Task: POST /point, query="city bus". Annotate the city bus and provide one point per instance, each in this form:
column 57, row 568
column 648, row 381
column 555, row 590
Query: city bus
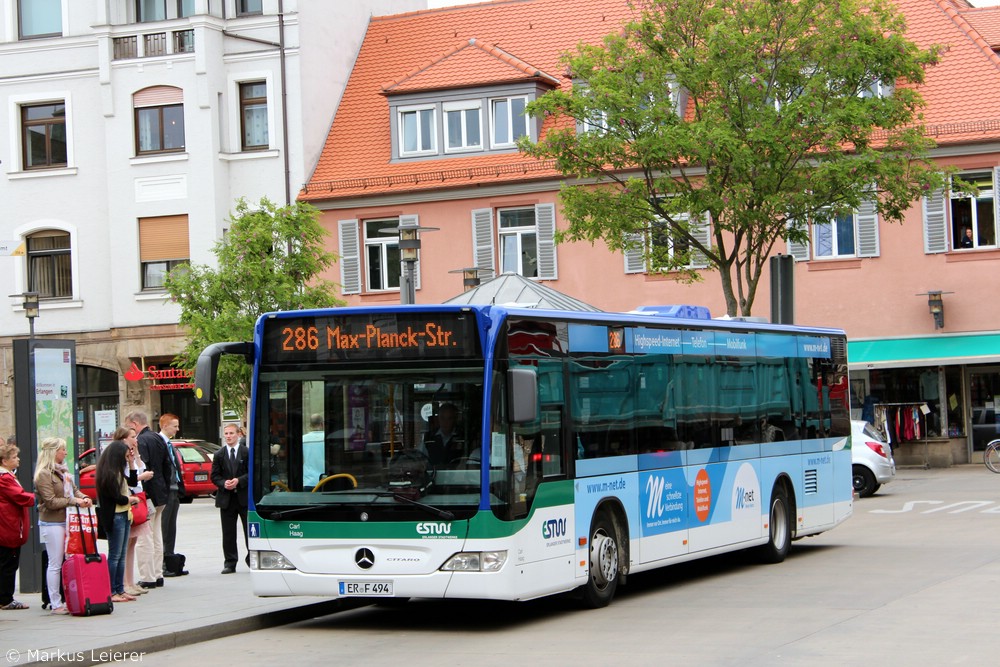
column 508, row 453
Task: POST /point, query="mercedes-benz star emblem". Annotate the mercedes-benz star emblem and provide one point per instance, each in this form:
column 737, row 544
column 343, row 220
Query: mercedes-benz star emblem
column 364, row 558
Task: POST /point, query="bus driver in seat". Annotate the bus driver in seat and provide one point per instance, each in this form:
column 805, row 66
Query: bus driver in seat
column 444, row 444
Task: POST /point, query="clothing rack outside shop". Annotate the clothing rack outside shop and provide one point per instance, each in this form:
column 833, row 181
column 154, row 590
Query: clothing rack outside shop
column 901, row 423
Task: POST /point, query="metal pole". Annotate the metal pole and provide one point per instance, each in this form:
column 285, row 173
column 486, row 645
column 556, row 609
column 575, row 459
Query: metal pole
column 411, row 288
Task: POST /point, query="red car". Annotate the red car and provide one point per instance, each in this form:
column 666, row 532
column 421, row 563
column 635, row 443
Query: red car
column 196, row 465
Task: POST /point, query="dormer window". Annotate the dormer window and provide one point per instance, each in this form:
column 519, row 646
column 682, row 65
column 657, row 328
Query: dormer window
column 417, row 130
column 507, row 120
column 463, row 125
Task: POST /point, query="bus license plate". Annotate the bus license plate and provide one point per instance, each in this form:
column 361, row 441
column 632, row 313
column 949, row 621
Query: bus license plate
column 201, row 477
column 366, row 588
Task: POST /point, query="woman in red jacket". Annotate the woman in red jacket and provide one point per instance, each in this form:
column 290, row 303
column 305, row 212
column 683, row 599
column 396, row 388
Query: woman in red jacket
column 14, row 524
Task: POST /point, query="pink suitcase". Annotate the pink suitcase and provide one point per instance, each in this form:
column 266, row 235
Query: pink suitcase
column 87, row 583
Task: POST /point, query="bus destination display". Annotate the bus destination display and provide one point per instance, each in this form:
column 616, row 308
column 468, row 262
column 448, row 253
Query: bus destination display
column 370, row 336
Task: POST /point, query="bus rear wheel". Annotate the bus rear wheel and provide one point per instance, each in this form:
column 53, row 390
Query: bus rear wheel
column 602, row 581
column 779, row 527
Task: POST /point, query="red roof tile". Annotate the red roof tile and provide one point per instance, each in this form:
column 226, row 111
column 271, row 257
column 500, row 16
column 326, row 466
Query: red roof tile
column 514, row 39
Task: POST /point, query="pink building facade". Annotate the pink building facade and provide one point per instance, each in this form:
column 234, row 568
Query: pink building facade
column 423, row 136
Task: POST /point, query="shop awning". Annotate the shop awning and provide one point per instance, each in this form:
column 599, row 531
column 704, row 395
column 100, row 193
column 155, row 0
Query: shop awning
column 926, row 351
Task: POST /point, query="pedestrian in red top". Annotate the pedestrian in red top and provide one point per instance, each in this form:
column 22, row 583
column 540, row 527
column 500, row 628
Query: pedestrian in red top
column 15, row 524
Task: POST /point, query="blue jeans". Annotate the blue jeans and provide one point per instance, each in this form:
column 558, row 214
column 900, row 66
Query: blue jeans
column 117, row 548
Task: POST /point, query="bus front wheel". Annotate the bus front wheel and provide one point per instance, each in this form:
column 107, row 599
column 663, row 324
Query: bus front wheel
column 604, row 562
column 779, row 528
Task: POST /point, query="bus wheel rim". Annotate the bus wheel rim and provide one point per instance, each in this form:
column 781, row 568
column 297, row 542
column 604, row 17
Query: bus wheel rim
column 603, row 560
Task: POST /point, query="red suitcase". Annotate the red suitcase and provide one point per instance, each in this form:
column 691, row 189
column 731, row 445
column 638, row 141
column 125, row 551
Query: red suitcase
column 87, row 583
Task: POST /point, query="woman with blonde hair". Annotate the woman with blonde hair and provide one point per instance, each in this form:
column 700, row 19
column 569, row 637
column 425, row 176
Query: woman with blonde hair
column 55, row 490
column 127, row 435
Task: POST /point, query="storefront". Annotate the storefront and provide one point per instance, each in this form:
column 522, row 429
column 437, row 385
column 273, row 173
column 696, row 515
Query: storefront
column 934, row 398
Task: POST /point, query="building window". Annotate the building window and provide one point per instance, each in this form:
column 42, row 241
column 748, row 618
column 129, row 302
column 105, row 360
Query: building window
column 463, row 126
column 974, row 214
column 253, row 115
column 382, row 254
column 50, row 265
column 39, row 18
column 185, row 8
column 508, row 120
column 163, row 246
column 835, row 238
column 249, row 7
column 417, row 130
column 43, row 128
column 518, row 241
column 147, row 11
column 159, row 120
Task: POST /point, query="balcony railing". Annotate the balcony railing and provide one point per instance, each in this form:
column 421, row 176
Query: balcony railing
column 153, row 44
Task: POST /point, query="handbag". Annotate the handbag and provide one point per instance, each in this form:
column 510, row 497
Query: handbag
column 140, row 512
column 81, row 531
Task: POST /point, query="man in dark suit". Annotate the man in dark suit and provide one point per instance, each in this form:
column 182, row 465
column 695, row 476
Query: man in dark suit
column 149, row 547
column 229, row 474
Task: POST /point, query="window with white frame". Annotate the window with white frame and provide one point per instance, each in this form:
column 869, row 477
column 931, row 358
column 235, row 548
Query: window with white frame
column 253, row 116
column 50, row 269
column 163, row 246
column 658, row 247
column 463, row 125
column 249, row 7
column 848, row 234
column 508, row 121
column 43, row 135
column 147, row 11
column 159, row 120
column 518, row 241
column 39, row 18
column 382, row 259
column 973, row 217
column 417, row 130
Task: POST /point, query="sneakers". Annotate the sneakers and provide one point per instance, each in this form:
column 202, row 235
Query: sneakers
column 135, row 590
column 60, row 611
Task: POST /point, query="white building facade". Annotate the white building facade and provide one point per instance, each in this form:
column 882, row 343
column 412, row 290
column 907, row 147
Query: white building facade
column 128, row 129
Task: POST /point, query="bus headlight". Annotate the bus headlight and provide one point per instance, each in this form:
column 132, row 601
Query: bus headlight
column 476, row 561
column 269, row 560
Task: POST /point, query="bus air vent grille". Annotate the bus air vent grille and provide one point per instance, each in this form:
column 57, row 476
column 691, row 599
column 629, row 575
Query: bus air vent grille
column 811, row 481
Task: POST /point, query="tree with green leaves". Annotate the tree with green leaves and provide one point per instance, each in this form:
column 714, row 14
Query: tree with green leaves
column 712, row 130
column 269, row 260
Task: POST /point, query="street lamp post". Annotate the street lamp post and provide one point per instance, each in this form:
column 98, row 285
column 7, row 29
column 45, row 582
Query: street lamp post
column 470, row 277
column 409, row 249
column 30, row 306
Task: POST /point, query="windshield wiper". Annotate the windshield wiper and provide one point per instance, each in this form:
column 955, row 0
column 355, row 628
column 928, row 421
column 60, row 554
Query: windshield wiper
column 436, row 511
column 296, row 510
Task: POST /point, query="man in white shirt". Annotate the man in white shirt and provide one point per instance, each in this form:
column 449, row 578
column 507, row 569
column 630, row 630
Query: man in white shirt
column 313, row 453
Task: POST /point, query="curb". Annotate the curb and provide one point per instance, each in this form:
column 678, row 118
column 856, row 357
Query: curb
column 188, row 636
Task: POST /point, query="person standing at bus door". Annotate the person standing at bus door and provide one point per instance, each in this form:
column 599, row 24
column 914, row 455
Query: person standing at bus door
column 443, row 444
column 149, row 547
column 967, row 241
column 229, row 474
column 169, row 426
column 313, row 453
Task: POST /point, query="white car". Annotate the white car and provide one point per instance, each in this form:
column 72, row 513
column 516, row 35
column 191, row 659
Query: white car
column 871, row 457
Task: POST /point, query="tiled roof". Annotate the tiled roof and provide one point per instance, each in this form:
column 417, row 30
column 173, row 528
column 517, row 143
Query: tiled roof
column 473, row 64
column 517, row 40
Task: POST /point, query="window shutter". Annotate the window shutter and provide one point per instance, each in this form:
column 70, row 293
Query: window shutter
column 163, row 238
column 800, row 251
column 350, row 257
column 482, row 242
column 411, row 221
column 545, row 230
column 935, row 222
column 700, row 231
column 157, row 96
column 634, row 261
column 866, row 227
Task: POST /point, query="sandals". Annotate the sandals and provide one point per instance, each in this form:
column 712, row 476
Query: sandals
column 14, row 604
column 122, row 597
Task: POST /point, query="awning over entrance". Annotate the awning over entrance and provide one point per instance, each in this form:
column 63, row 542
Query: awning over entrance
column 928, row 351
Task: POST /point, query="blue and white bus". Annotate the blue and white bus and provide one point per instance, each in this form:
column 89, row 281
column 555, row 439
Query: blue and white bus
column 510, row 453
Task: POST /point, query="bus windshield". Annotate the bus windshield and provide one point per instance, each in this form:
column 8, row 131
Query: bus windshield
column 391, row 444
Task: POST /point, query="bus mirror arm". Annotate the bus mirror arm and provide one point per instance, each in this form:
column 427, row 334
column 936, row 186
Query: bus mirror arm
column 522, row 383
column 208, row 365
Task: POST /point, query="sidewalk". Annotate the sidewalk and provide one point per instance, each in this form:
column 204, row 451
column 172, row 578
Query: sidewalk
column 201, row 606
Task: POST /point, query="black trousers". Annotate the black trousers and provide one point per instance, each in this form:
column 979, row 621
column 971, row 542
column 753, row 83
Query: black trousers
column 10, row 557
column 230, row 550
column 168, row 522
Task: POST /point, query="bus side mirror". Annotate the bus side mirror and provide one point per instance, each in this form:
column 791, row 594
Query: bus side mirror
column 522, row 388
column 208, row 366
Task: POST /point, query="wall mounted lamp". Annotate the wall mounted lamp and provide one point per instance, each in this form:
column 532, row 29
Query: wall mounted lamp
column 935, row 303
